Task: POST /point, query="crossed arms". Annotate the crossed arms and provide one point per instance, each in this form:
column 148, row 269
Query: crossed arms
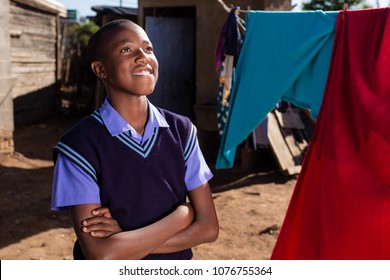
column 188, row 225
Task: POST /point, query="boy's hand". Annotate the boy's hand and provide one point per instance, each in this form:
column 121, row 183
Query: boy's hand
column 101, row 224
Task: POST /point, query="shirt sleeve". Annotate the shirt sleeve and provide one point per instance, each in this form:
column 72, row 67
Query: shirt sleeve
column 72, row 185
column 197, row 170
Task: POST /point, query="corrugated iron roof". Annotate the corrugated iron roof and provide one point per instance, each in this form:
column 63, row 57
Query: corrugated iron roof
column 123, row 11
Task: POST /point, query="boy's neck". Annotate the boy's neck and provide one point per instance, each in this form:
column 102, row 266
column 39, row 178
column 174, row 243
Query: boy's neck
column 134, row 109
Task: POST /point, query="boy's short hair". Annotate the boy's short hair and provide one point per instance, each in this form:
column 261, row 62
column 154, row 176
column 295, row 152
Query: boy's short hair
column 96, row 42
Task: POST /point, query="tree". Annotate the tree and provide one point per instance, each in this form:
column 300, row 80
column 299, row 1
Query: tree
column 330, row 5
column 78, row 74
column 82, row 32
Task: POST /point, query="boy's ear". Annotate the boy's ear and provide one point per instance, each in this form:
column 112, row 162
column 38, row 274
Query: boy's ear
column 98, row 69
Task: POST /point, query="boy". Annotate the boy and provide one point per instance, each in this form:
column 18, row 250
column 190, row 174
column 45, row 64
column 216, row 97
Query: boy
column 133, row 161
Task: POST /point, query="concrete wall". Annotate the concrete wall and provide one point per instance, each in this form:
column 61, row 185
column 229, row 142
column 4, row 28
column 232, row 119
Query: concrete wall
column 6, row 82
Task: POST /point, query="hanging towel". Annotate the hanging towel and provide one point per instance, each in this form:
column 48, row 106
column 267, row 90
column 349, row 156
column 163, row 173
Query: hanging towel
column 340, row 208
column 285, row 55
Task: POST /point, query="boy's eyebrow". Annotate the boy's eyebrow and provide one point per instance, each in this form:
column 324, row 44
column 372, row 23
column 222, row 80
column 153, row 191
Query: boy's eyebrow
column 124, row 42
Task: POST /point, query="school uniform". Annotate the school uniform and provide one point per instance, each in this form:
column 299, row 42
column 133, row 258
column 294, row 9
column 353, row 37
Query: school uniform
column 141, row 178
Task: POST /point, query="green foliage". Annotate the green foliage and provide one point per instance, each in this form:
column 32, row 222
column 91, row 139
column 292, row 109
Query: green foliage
column 82, row 32
column 330, row 5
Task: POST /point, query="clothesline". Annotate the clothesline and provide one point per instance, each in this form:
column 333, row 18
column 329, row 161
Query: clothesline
column 240, row 21
column 227, row 9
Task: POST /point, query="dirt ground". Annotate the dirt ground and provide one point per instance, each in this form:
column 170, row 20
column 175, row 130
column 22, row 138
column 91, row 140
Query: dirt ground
column 250, row 204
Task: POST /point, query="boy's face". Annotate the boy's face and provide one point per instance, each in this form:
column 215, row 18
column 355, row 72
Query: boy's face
column 129, row 63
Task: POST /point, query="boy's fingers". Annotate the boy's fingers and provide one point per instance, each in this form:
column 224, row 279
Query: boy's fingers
column 101, row 224
column 97, row 232
column 101, row 233
column 101, row 227
column 94, row 221
column 101, row 211
column 101, row 230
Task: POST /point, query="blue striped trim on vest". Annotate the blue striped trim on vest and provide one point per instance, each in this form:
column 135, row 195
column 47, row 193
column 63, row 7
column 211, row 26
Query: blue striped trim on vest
column 190, row 143
column 97, row 116
column 144, row 149
column 80, row 160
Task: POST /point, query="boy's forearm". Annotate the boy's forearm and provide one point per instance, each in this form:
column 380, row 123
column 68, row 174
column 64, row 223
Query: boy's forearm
column 204, row 229
column 138, row 243
column 197, row 233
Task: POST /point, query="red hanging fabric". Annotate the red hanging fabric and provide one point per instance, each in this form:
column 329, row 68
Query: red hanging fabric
column 340, row 208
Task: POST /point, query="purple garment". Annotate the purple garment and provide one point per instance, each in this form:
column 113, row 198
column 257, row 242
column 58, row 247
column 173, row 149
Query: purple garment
column 68, row 176
column 229, row 40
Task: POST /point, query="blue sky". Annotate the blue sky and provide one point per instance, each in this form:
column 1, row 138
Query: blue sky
column 84, row 6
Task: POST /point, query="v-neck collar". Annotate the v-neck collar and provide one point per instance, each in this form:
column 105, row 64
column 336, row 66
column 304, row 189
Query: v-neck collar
column 120, row 129
column 116, row 124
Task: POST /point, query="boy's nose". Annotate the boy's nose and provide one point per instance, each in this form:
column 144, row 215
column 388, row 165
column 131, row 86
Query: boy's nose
column 142, row 57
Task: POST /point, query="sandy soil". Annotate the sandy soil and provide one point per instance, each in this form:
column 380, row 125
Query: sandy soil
column 250, row 204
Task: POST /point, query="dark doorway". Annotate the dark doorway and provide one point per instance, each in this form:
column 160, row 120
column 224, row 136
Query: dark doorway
column 172, row 32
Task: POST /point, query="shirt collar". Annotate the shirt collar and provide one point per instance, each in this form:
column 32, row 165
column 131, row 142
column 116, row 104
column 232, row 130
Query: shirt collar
column 116, row 124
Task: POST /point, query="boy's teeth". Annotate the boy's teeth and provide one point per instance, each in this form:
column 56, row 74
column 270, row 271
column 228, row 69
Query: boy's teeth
column 143, row 73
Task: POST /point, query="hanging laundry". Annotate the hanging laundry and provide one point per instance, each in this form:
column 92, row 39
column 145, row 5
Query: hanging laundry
column 285, row 56
column 340, row 208
column 224, row 88
column 227, row 50
column 229, row 41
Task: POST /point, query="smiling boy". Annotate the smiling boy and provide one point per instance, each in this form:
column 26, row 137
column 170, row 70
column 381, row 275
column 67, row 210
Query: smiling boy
column 139, row 162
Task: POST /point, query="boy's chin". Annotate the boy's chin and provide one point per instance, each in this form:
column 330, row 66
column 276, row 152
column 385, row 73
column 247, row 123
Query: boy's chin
column 148, row 92
column 142, row 91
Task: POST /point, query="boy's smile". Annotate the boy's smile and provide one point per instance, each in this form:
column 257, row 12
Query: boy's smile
column 143, row 72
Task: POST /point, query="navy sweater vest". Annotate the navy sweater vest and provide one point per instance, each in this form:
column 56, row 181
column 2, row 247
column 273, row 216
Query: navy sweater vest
column 139, row 184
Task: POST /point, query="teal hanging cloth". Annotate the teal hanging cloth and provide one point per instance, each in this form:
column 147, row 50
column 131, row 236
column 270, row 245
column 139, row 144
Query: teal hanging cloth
column 285, row 56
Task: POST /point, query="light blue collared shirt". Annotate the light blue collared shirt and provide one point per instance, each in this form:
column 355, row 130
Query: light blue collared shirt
column 73, row 186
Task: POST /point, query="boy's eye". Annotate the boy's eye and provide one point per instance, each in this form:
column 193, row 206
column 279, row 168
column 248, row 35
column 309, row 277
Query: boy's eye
column 125, row 50
column 149, row 49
